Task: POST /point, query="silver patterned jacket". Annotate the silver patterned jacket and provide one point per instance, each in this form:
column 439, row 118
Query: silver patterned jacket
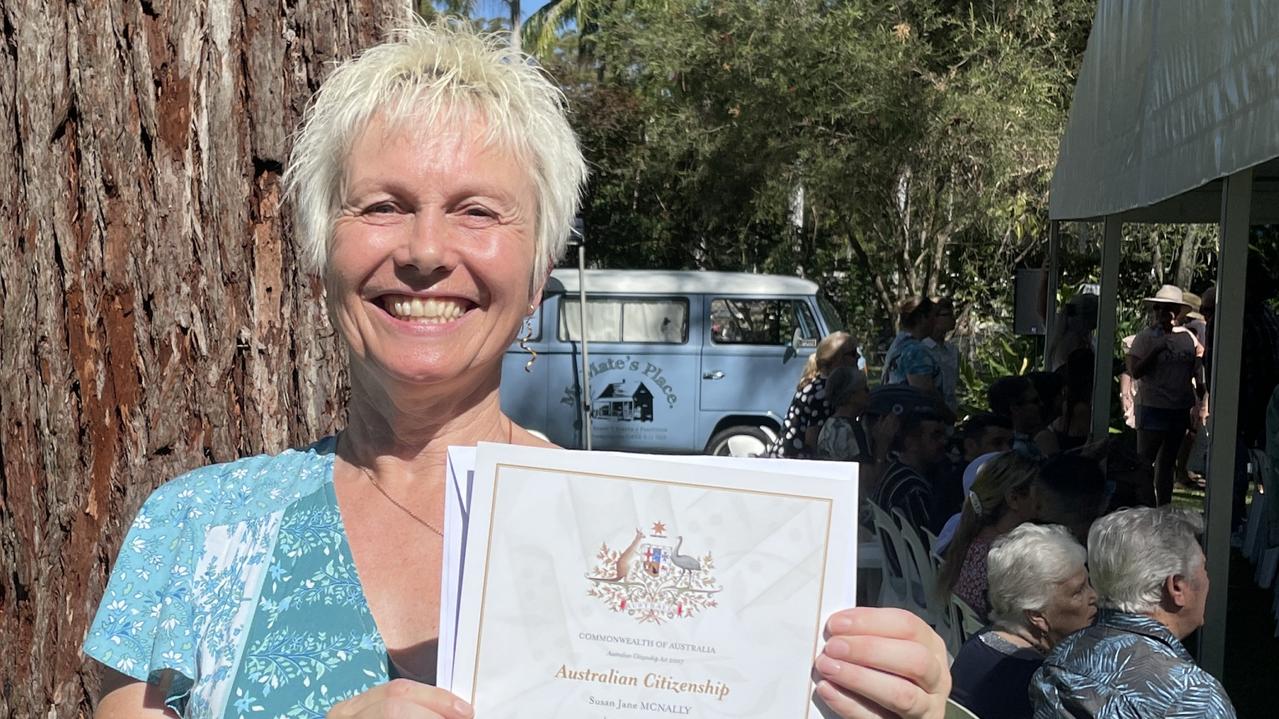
column 1125, row 666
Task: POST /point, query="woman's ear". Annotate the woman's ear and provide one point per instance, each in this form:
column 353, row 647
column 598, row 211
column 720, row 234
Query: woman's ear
column 539, row 284
column 1020, row 501
column 1037, row 621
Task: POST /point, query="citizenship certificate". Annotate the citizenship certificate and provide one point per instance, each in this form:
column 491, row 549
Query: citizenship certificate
column 610, row 585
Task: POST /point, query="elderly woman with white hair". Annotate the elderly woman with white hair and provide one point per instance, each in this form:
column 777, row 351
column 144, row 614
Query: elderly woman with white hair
column 1039, row 594
column 434, row 181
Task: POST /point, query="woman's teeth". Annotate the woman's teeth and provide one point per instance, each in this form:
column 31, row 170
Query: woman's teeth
column 417, row 309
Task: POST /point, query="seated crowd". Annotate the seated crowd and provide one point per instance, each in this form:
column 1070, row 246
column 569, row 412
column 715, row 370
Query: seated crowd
column 1085, row 603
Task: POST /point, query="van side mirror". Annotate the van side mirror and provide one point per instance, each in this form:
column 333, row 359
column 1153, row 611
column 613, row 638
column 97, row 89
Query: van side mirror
column 799, row 342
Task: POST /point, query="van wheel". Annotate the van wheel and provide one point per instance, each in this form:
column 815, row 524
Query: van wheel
column 740, row 441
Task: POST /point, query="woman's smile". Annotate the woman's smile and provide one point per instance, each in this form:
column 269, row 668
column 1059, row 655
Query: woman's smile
column 423, row 310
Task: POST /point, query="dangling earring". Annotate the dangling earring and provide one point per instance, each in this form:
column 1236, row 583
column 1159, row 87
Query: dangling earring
column 524, row 338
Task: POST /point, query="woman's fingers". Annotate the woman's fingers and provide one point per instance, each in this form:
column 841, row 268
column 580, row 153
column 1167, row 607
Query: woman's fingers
column 883, row 660
column 909, row 660
column 404, row 699
column 876, row 687
column 850, row 706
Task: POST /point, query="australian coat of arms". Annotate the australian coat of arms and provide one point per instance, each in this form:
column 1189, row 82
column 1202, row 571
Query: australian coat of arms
column 651, row 580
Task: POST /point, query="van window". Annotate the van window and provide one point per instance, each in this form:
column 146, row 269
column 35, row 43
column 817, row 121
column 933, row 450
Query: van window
column 763, row 322
column 834, row 322
column 615, row 319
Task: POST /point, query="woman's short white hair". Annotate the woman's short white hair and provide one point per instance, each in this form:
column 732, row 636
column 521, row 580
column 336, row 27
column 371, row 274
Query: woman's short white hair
column 433, row 75
column 1025, row 567
column 1131, row 552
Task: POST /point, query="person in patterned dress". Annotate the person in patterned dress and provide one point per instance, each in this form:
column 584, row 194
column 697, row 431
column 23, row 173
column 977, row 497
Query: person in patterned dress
column 435, row 179
column 999, row 501
column 810, row 408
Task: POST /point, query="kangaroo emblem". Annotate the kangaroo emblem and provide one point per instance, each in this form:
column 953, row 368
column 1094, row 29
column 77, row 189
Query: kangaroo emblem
column 624, row 559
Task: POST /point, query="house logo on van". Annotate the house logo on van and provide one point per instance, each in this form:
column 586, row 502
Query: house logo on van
column 619, row 400
column 620, row 403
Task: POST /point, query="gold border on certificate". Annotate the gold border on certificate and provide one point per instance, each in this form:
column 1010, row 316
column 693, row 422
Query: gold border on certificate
column 497, row 476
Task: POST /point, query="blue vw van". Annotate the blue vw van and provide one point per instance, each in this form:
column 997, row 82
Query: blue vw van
column 680, row 362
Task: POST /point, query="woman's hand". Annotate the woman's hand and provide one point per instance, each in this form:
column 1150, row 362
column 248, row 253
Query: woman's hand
column 403, row 699
column 882, row 663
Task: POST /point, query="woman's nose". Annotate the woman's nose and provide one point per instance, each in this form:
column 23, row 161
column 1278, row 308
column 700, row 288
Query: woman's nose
column 428, row 245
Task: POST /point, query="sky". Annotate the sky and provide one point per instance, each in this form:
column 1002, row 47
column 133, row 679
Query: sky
column 497, row 8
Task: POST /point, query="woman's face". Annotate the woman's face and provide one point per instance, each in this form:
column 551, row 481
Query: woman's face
column 846, row 356
column 1073, row 606
column 1163, row 315
column 859, row 401
column 431, row 264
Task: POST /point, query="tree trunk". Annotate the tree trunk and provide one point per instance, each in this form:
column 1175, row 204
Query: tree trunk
column 514, row 7
column 1186, row 254
column 155, row 318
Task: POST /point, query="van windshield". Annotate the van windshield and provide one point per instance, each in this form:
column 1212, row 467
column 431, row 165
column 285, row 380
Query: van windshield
column 834, row 323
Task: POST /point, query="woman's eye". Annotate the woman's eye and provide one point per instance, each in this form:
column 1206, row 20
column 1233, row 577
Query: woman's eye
column 380, row 208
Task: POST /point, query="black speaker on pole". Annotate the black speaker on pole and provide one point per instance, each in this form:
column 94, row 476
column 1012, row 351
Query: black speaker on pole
column 1029, row 285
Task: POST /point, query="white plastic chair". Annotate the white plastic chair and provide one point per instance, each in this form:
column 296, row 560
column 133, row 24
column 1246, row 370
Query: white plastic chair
column 952, row 633
column 930, row 542
column 969, row 622
column 925, row 571
column 871, row 568
column 893, row 588
column 955, row 710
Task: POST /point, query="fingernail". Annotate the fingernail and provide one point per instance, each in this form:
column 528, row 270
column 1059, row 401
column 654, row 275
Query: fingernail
column 837, row 648
column 826, row 665
column 826, row 691
column 840, row 624
column 462, row 708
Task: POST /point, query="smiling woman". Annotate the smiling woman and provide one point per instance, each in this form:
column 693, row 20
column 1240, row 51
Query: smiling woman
column 434, row 181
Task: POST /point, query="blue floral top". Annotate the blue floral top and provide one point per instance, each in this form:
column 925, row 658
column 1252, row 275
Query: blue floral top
column 908, row 356
column 237, row 581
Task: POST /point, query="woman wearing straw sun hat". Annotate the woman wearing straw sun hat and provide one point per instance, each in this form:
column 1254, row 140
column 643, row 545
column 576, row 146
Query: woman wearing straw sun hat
column 1167, row 362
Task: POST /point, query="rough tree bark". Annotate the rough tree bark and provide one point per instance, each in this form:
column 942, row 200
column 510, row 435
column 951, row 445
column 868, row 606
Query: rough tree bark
column 154, row 317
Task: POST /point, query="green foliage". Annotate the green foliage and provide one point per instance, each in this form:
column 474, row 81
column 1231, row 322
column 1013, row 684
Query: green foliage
column 544, row 29
column 460, row 10
column 998, row 353
column 921, row 134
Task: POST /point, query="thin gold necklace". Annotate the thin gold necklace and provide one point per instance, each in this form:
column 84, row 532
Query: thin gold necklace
column 510, row 433
column 403, row 508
